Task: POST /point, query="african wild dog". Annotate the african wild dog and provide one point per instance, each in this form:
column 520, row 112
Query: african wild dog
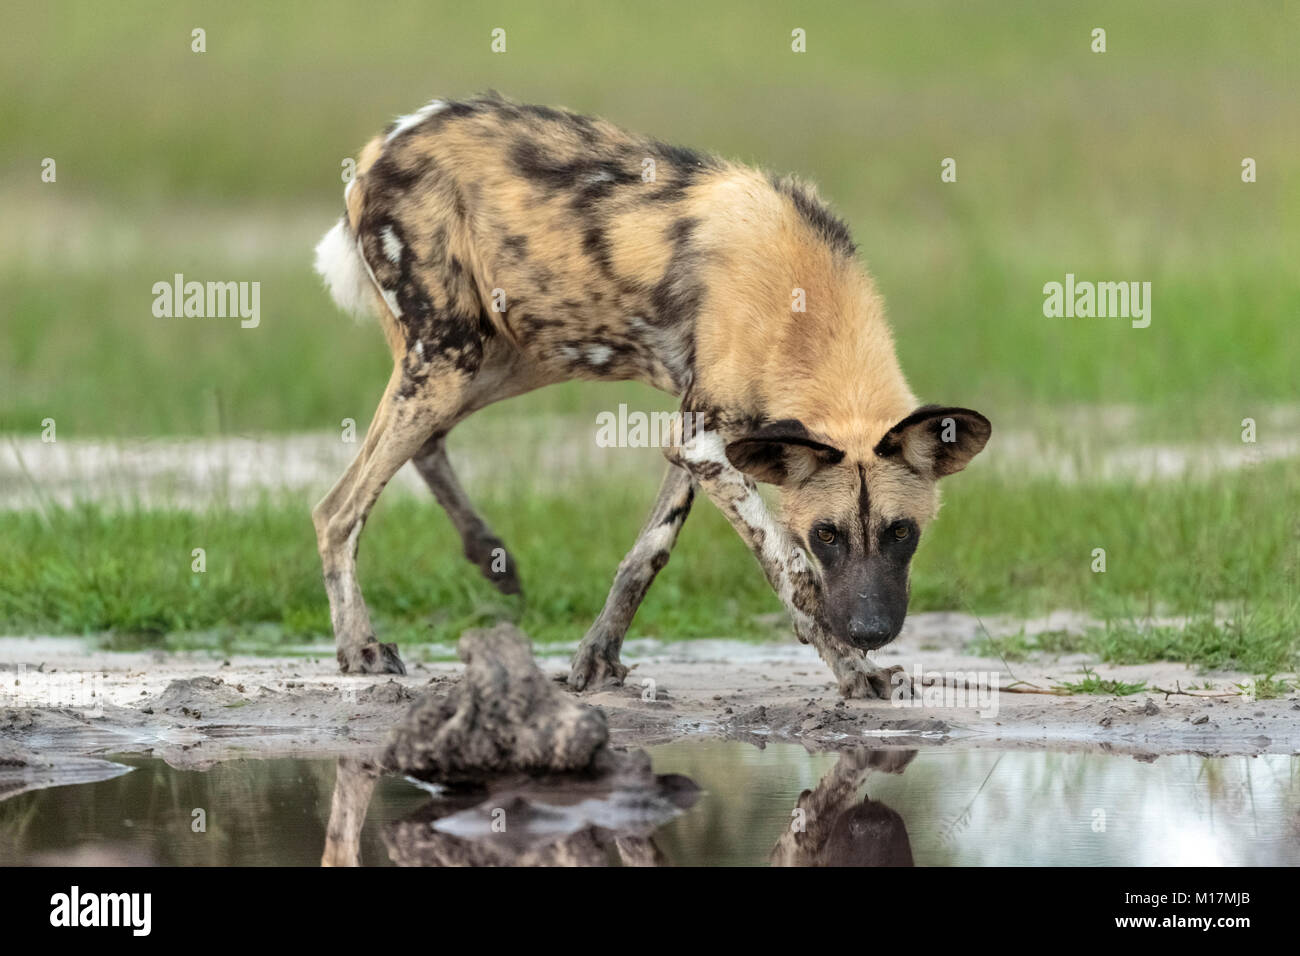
column 506, row 247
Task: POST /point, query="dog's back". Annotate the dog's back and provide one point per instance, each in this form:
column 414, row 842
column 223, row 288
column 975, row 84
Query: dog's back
column 590, row 251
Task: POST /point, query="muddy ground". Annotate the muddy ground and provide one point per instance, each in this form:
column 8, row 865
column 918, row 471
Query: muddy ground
column 62, row 703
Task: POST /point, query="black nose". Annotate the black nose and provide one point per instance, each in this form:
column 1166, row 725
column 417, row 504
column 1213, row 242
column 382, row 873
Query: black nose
column 871, row 631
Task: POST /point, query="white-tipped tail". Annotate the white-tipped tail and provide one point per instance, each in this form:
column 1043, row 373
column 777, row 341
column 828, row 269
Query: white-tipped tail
column 339, row 262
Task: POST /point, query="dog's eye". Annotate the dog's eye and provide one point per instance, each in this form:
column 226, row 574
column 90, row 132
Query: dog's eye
column 826, row 535
column 901, row 531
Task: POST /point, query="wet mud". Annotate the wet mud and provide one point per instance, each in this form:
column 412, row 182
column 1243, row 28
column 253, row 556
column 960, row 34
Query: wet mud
column 191, row 710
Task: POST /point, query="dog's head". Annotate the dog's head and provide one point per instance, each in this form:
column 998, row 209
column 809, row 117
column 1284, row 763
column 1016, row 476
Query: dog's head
column 861, row 517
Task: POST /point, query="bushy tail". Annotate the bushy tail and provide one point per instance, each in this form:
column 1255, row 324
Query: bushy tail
column 339, row 262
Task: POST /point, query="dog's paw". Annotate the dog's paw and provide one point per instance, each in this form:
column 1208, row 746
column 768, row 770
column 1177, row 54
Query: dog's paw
column 595, row 667
column 860, row 679
column 370, row 658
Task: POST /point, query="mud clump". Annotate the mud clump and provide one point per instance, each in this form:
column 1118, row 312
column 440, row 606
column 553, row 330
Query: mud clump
column 191, row 697
column 504, row 716
column 388, row 693
column 12, row 756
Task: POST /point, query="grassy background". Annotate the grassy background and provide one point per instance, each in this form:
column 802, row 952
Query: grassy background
column 1199, row 549
column 226, row 165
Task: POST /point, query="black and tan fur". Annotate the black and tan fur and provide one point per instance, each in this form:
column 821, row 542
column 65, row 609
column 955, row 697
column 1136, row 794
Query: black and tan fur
column 507, row 247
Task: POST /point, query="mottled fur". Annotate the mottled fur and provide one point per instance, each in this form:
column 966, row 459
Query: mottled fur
column 506, row 247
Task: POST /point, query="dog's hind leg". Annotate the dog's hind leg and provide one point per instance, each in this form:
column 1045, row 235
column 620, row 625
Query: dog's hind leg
column 596, row 661
column 408, row 415
column 482, row 547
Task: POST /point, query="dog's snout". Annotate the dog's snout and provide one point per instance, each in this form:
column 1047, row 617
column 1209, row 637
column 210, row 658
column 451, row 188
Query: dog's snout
column 871, row 630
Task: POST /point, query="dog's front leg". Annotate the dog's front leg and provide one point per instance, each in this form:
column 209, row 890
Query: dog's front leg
column 354, row 785
column 596, row 663
column 783, row 561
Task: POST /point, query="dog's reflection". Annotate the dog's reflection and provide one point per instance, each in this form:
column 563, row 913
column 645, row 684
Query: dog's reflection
column 598, row 822
column 830, row 826
column 594, row 821
column 354, row 785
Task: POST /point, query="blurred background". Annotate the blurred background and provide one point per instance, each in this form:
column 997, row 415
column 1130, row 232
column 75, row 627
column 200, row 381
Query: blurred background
column 226, row 165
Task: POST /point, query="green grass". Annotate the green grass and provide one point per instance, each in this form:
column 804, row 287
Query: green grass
column 1260, row 641
column 1266, row 687
column 1172, row 549
column 1092, row 684
column 284, row 92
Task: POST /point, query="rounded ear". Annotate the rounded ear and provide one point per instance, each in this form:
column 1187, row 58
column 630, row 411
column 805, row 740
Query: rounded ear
column 936, row 441
column 783, row 452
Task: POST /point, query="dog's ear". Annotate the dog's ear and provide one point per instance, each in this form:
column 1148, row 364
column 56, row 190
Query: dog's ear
column 783, row 452
column 934, row 441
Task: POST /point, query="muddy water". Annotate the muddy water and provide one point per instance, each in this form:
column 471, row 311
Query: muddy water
column 779, row 804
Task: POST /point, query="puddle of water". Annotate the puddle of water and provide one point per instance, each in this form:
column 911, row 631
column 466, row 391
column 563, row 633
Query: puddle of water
column 254, row 813
column 988, row 808
column 780, row 804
